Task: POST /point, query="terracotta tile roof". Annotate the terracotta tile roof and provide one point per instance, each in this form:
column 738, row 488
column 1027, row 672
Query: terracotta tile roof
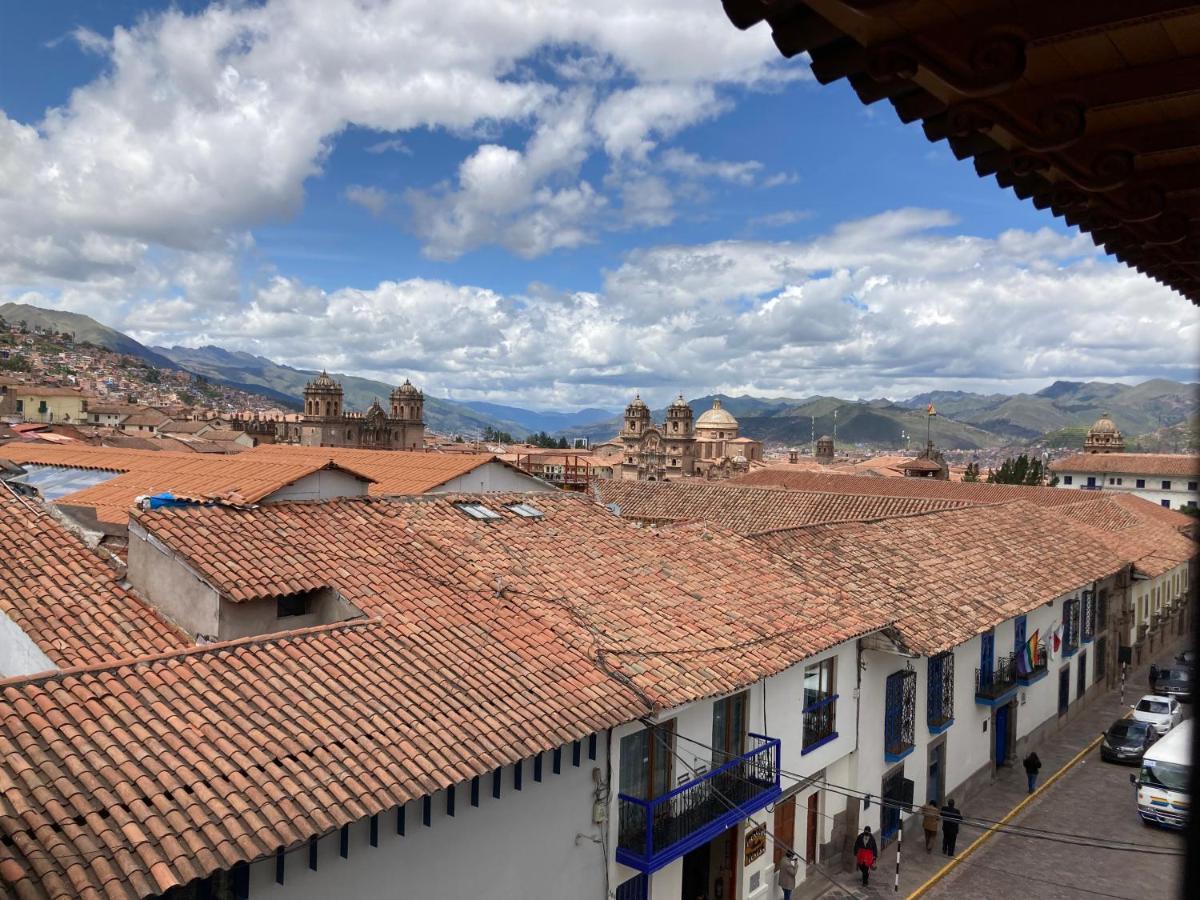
column 631, row 585
column 1152, row 511
column 1166, row 464
column 149, row 472
column 944, row 577
column 153, row 773
column 67, row 599
column 394, row 471
column 1133, row 532
column 750, row 510
column 489, row 642
column 973, row 492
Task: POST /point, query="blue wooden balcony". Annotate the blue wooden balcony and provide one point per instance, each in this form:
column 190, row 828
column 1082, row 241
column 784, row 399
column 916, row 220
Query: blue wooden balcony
column 651, row 833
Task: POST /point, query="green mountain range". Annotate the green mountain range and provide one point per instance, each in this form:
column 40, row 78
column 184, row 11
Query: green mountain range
column 1155, row 415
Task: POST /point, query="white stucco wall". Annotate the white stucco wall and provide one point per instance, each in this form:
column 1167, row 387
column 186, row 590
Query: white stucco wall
column 536, row 842
column 970, row 740
column 321, row 485
column 784, row 720
column 1177, row 496
column 19, row 655
column 491, row 477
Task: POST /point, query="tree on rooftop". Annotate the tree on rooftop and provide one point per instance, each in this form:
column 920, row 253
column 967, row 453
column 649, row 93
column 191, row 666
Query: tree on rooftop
column 972, row 472
column 1021, row 470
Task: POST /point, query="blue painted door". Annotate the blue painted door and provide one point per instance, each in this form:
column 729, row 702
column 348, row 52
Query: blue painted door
column 1001, row 735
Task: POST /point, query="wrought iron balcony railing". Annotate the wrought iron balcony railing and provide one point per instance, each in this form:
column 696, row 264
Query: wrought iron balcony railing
column 993, row 687
column 651, row 833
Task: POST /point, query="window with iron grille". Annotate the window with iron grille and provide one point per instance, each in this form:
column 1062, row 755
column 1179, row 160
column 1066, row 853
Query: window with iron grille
column 1102, row 609
column 899, row 713
column 940, row 708
column 1088, row 616
column 1070, row 626
column 820, row 703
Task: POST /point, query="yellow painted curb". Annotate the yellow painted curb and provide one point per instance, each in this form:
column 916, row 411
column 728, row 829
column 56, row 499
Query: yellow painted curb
column 950, row 866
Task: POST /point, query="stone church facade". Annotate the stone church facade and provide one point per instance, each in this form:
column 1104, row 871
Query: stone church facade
column 325, row 422
column 681, row 447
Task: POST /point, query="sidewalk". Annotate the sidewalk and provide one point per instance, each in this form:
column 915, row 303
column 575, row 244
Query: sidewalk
column 993, row 802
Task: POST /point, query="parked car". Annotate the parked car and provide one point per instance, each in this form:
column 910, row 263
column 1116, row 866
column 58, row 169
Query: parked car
column 1161, row 713
column 1175, row 682
column 1126, row 740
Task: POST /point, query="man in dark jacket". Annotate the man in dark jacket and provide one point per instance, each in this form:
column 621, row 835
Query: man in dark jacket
column 1033, row 765
column 866, row 851
column 951, row 818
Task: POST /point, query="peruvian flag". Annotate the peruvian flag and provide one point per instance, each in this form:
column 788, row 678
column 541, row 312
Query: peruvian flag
column 1056, row 639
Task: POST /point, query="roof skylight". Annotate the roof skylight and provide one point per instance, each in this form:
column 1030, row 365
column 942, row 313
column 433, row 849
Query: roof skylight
column 478, row 511
column 525, row 511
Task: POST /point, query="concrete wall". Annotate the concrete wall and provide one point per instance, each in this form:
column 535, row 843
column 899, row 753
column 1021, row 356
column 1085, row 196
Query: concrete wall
column 164, row 579
column 492, row 476
column 536, row 842
column 255, row 617
column 19, row 655
column 321, row 485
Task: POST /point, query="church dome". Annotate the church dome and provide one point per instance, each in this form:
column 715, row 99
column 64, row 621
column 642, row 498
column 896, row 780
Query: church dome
column 637, row 403
column 680, row 403
column 716, row 417
column 324, row 381
column 824, row 438
column 406, row 390
column 1104, row 425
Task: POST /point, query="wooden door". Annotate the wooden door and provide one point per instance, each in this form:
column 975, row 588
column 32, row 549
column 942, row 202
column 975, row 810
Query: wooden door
column 785, row 827
column 810, row 843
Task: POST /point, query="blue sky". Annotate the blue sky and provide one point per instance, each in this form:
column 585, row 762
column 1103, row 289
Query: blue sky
column 527, row 204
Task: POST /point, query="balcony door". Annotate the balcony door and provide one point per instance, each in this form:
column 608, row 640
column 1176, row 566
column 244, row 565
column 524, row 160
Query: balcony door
column 647, row 758
column 729, row 727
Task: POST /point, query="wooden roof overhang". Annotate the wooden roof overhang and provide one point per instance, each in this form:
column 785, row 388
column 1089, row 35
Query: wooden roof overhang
column 1088, row 108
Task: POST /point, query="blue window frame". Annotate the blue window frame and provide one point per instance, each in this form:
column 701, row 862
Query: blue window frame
column 899, row 715
column 820, row 704
column 987, row 654
column 1067, row 479
column 939, row 711
column 1141, row 482
column 1018, row 634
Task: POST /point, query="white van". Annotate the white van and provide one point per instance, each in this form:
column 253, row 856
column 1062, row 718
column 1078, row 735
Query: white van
column 1163, row 783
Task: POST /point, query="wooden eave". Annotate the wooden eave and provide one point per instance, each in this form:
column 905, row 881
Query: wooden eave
column 1087, row 108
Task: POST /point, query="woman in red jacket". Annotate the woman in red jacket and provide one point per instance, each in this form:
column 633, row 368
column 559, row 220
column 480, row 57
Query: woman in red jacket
column 865, row 853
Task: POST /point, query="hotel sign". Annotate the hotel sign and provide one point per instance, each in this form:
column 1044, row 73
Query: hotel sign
column 756, row 842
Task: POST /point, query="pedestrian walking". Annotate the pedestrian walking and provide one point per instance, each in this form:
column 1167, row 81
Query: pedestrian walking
column 1033, row 765
column 929, row 822
column 951, row 818
column 789, row 869
column 1153, row 678
column 866, row 851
